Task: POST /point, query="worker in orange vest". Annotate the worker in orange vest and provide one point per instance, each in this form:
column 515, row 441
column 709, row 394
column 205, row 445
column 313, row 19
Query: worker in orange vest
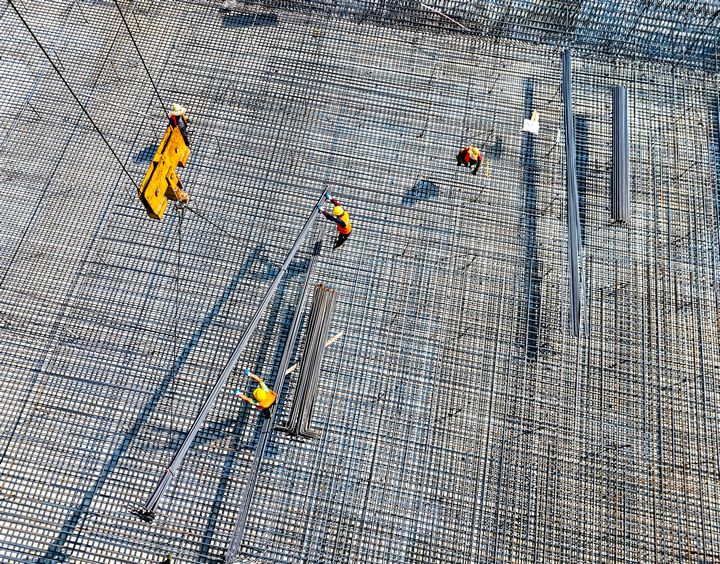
column 178, row 118
column 340, row 217
column 263, row 397
column 470, row 156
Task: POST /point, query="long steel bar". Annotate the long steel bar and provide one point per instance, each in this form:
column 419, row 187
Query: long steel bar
column 249, row 491
column 573, row 206
column 284, row 361
column 620, row 197
column 298, row 423
column 148, row 510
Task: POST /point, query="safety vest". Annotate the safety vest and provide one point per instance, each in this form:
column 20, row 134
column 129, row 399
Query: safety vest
column 268, row 401
column 178, row 121
column 345, row 218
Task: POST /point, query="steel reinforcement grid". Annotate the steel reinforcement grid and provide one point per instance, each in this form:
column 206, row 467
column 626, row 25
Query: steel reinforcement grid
column 460, row 419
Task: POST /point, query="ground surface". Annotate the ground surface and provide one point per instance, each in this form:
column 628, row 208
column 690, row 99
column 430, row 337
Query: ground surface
column 461, row 421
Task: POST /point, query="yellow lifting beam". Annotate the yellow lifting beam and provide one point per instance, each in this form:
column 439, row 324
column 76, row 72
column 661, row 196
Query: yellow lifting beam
column 161, row 183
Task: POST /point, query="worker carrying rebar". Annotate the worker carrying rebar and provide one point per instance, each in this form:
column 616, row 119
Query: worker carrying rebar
column 340, row 217
column 178, row 118
column 470, row 156
column 263, row 397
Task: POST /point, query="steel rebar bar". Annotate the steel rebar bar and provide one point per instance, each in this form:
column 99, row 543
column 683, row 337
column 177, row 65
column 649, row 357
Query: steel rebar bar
column 620, row 191
column 148, row 510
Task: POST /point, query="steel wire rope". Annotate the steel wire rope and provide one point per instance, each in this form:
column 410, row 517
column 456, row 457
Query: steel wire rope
column 97, row 128
column 142, row 60
column 109, row 146
column 72, row 92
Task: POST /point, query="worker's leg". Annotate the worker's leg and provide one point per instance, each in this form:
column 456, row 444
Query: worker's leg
column 340, row 240
column 183, row 131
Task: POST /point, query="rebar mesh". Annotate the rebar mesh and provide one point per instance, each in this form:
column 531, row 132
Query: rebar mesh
column 667, row 30
column 461, row 421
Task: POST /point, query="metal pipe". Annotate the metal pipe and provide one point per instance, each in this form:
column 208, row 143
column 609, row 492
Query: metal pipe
column 620, row 198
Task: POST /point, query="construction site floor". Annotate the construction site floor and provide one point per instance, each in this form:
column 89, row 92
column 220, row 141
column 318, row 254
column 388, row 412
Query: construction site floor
column 460, row 419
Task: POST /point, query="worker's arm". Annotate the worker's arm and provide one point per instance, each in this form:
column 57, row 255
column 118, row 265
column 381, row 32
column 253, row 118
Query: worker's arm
column 251, row 401
column 477, row 165
column 335, row 202
column 259, row 380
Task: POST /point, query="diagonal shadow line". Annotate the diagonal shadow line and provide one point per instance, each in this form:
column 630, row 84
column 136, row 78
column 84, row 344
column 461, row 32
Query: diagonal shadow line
column 54, row 552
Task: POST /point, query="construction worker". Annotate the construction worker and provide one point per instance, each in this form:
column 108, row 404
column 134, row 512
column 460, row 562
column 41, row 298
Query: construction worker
column 178, row 118
column 263, row 397
column 340, row 217
column 470, row 156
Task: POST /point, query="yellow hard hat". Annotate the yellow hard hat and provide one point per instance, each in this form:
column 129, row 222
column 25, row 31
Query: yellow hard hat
column 338, row 211
column 260, row 394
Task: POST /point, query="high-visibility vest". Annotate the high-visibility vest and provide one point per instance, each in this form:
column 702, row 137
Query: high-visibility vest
column 268, row 401
column 345, row 218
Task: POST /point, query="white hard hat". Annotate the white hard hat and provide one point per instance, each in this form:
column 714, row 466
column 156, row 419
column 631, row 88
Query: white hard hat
column 177, row 110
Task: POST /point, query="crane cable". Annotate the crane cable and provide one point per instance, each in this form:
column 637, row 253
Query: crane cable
column 142, row 60
column 105, row 140
column 65, row 82
column 99, row 131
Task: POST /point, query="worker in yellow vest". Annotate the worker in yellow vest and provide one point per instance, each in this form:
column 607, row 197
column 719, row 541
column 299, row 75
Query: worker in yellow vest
column 340, row 217
column 263, row 397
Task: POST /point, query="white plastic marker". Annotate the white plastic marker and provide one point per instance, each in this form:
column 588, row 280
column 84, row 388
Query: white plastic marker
column 329, row 342
column 532, row 125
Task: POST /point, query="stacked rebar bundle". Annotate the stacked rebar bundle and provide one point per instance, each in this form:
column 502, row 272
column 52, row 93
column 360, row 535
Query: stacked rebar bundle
column 620, row 192
column 573, row 203
column 298, row 423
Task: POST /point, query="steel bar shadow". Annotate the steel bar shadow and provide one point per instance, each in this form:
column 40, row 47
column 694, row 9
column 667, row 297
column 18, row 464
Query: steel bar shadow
column 54, row 552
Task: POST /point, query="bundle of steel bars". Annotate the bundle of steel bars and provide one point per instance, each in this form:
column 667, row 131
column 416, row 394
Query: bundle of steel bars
column 298, row 423
column 620, row 194
column 573, row 203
